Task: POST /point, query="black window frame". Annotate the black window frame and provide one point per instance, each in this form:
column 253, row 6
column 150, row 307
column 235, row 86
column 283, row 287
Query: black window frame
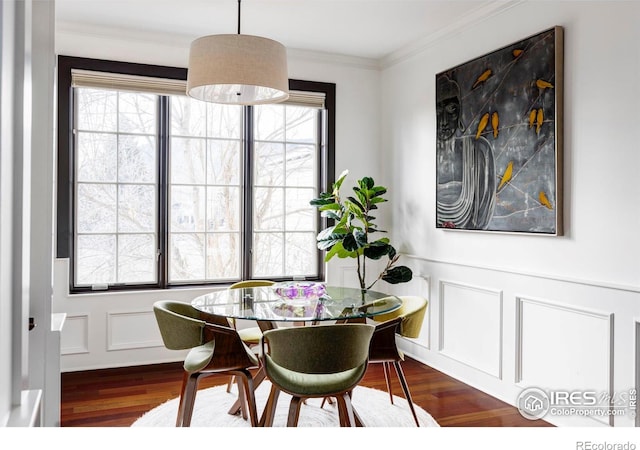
column 65, row 164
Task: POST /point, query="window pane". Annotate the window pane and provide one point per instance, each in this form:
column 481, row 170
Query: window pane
column 301, row 165
column 223, row 162
column 137, row 113
column 136, row 208
column 285, row 180
column 268, row 255
column 269, row 165
column 96, row 208
column 96, row 259
column 116, row 190
column 300, row 215
column 224, row 121
column 186, row 257
column 269, row 124
column 137, row 159
column 302, row 124
column 223, row 209
column 187, row 208
column 268, row 209
column 96, row 157
column 223, row 256
column 213, row 166
column 301, row 254
column 188, row 161
column 137, row 258
column 188, row 116
column 97, row 110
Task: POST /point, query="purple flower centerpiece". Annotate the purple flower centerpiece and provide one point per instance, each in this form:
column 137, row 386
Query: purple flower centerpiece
column 299, row 291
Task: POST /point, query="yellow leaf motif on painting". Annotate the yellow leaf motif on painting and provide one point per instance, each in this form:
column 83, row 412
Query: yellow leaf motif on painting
column 544, row 200
column 482, row 78
column 517, row 52
column 543, row 84
column 483, row 124
column 532, row 118
column 495, row 121
column 539, row 120
column 506, row 177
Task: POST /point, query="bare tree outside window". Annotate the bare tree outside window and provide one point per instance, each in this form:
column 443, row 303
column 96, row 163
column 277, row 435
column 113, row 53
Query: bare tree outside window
column 285, row 180
column 161, row 190
column 116, row 187
column 205, row 201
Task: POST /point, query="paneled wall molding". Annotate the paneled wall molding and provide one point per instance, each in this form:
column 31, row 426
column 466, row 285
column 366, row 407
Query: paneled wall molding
column 577, row 342
column 128, row 330
column 470, row 330
column 601, row 315
column 75, row 334
column 541, row 275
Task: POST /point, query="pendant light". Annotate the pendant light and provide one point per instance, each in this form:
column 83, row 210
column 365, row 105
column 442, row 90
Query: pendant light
column 237, row 69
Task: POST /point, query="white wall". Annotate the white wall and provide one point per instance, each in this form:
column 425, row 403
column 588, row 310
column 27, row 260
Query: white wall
column 507, row 311
column 119, row 329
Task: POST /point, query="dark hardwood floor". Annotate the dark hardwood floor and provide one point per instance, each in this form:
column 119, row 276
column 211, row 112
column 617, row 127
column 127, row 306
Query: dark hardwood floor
column 117, row 397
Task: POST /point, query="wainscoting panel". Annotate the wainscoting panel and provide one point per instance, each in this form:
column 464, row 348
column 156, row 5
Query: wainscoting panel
column 133, row 329
column 471, row 326
column 74, row 338
column 576, row 342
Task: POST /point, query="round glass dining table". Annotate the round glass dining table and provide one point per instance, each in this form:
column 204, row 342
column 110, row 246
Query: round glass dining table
column 267, row 308
column 264, row 304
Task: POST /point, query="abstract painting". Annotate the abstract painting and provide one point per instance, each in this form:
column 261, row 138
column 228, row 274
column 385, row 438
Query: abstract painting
column 499, row 139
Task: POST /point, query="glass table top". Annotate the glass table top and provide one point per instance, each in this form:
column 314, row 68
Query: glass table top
column 262, row 303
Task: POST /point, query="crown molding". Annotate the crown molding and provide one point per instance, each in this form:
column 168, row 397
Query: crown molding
column 470, row 19
column 183, row 41
column 334, row 58
column 97, row 31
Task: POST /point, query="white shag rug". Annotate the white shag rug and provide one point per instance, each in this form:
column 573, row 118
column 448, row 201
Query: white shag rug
column 373, row 407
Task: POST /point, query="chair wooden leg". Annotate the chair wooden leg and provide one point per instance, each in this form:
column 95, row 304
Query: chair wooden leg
column 246, row 386
column 359, row 422
column 232, row 380
column 270, row 408
column 294, row 411
column 345, row 410
column 387, row 377
column 405, row 388
column 257, row 379
column 187, row 399
column 242, row 398
column 326, row 400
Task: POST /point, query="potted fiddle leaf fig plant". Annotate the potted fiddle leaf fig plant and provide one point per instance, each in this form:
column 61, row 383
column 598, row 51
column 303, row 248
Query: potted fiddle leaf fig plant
column 354, row 231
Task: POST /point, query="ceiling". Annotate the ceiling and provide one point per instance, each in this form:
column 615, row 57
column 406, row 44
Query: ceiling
column 360, row 28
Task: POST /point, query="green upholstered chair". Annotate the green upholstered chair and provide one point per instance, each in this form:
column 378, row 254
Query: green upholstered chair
column 249, row 335
column 215, row 347
column 406, row 321
column 315, row 361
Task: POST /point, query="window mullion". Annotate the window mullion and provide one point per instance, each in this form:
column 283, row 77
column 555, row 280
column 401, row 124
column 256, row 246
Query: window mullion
column 248, row 149
column 163, row 191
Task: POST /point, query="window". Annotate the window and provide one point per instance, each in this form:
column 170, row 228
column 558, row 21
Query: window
column 158, row 190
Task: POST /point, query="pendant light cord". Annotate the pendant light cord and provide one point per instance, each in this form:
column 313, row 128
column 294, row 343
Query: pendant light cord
column 238, row 16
